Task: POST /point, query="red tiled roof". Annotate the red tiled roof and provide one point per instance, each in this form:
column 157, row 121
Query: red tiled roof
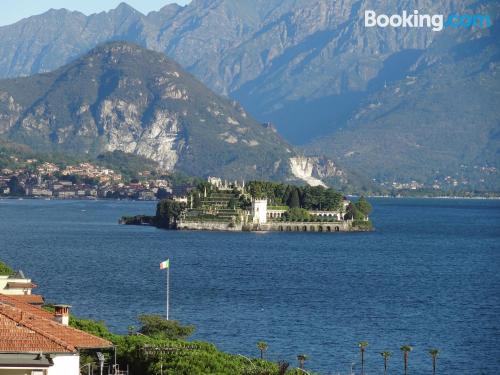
column 32, row 299
column 26, row 328
column 16, row 285
column 17, row 301
column 17, row 339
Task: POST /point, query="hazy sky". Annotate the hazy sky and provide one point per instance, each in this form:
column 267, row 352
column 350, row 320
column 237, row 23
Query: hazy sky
column 13, row 10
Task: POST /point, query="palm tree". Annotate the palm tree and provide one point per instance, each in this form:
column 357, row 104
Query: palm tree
column 302, row 358
column 406, row 350
column 262, row 346
column 362, row 346
column 434, row 354
column 386, row 356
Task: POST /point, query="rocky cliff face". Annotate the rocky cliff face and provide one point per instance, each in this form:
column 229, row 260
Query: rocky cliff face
column 10, row 111
column 122, row 97
column 315, row 170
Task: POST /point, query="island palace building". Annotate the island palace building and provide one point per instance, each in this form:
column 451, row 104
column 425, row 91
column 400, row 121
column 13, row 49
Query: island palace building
column 261, row 216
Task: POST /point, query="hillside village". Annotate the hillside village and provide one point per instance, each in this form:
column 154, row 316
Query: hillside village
column 81, row 181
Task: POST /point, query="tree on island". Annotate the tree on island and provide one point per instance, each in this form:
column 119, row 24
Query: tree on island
column 434, row 353
column 287, row 193
column 358, row 211
column 294, row 199
column 168, row 212
column 256, row 190
column 194, row 199
column 362, row 347
column 406, row 349
column 262, row 346
column 386, row 355
column 352, row 213
column 233, row 203
column 364, row 206
column 205, row 186
column 308, row 197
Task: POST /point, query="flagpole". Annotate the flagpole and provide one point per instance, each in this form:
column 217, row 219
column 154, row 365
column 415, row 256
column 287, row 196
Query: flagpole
column 168, row 289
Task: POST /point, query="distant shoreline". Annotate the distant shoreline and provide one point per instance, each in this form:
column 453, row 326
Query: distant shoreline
column 76, row 199
column 158, row 200
column 427, row 197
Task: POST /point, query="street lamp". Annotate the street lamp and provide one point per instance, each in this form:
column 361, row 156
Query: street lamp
column 100, row 356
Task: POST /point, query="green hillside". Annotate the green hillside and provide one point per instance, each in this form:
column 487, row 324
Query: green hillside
column 438, row 125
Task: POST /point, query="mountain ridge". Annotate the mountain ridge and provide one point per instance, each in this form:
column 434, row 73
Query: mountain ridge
column 272, row 56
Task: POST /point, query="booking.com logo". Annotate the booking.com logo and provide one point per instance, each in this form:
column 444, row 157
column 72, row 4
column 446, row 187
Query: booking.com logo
column 435, row 21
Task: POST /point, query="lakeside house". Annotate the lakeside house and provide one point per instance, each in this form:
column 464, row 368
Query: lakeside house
column 34, row 341
column 37, row 342
column 19, row 285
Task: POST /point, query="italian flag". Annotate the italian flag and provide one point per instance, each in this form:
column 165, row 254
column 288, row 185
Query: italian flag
column 165, row 264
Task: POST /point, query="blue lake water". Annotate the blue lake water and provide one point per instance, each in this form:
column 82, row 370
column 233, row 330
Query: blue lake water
column 429, row 277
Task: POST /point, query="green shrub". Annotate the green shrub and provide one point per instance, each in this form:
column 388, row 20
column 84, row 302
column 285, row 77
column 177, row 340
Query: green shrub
column 5, row 269
column 362, row 224
column 297, row 214
column 159, row 327
column 152, row 348
column 364, row 206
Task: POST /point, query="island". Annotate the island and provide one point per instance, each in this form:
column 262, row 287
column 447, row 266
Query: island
column 259, row 206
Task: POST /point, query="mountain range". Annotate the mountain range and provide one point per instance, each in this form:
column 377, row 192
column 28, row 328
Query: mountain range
column 122, row 97
column 371, row 99
column 283, row 60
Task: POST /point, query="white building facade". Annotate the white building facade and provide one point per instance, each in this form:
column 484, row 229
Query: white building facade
column 16, row 284
column 259, row 211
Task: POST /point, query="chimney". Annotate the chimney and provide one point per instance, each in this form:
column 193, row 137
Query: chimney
column 62, row 314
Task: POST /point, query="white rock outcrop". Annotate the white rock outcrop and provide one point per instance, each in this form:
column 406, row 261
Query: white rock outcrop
column 312, row 170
